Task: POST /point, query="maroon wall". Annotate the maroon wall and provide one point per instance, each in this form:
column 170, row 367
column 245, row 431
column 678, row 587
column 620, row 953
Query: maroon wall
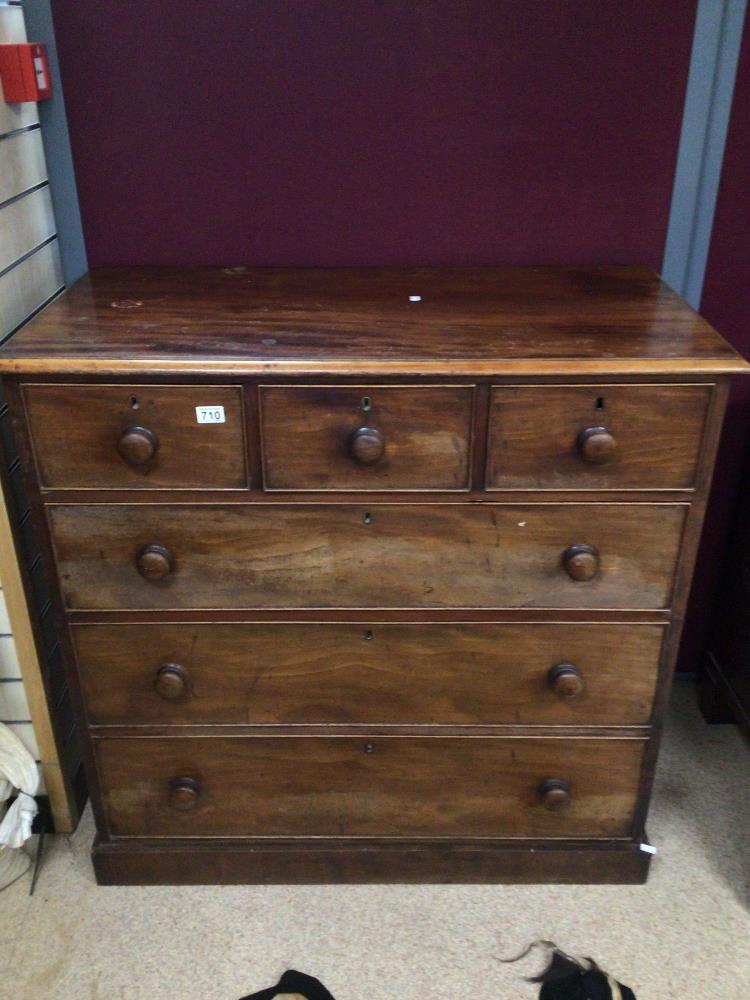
column 374, row 131
column 726, row 304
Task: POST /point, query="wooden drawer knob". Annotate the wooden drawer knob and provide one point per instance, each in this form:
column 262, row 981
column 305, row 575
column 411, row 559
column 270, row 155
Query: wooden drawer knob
column 566, row 681
column 184, row 794
column 596, row 445
column 154, row 562
column 367, row 445
column 581, row 562
column 554, row 794
column 138, row 445
column 170, row 682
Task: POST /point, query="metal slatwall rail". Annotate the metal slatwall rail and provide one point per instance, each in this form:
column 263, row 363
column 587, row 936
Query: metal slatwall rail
column 34, row 700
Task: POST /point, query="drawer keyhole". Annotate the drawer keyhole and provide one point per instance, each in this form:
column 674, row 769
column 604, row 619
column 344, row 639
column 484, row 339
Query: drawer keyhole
column 366, row 404
column 367, row 517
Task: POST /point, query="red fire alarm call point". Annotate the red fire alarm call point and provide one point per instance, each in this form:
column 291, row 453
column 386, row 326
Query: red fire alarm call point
column 24, row 72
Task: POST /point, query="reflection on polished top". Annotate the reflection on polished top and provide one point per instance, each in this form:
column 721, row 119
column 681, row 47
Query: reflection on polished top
column 388, row 321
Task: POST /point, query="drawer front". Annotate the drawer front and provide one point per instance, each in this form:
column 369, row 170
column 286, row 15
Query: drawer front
column 358, row 787
column 350, row 556
column 325, row 437
column 595, row 437
column 136, row 436
column 399, row 674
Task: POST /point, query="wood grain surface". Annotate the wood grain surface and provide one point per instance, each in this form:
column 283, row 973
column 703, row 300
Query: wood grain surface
column 323, row 862
column 349, row 556
column 473, row 321
column 307, row 433
column 371, row 786
column 534, row 432
column 377, row 674
column 76, row 428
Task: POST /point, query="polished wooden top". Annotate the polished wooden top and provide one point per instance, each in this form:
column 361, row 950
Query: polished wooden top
column 370, row 321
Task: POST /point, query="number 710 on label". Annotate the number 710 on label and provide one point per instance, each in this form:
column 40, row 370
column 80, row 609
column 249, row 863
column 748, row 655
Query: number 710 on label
column 210, row 414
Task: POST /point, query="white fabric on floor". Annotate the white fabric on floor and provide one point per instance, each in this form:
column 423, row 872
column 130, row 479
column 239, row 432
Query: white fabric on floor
column 18, row 771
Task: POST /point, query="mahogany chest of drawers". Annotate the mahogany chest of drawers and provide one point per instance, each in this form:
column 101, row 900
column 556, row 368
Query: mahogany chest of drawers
column 369, row 575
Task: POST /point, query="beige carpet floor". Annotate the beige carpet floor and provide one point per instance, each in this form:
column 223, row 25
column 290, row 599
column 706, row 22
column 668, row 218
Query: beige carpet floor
column 685, row 934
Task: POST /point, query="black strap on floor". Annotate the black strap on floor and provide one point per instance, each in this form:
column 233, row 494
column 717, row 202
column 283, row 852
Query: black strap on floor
column 591, row 985
column 583, row 984
column 294, row 982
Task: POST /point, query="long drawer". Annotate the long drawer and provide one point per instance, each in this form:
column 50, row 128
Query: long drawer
column 382, row 673
column 257, row 786
column 139, row 556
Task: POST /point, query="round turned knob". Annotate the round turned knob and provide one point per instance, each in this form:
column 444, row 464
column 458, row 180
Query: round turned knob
column 170, row 682
column 581, row 562
column 596, row 445
column 137, row 445
column 154, row 562
column 554, row 794
column 566, row 681
column 184, row 794
column 367, row 445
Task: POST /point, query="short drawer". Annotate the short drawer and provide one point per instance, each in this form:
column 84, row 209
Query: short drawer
column 328, row 437
column 589, row 437
column 405, row 786
column 398, row 674
column 137, row 436
column 141, row 556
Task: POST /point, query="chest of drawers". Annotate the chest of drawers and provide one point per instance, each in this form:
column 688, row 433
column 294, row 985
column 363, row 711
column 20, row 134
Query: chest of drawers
column 369, row 575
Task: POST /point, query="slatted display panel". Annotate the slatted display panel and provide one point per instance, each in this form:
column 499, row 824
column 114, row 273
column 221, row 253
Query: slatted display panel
column 30, row 277
column 30, row 272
